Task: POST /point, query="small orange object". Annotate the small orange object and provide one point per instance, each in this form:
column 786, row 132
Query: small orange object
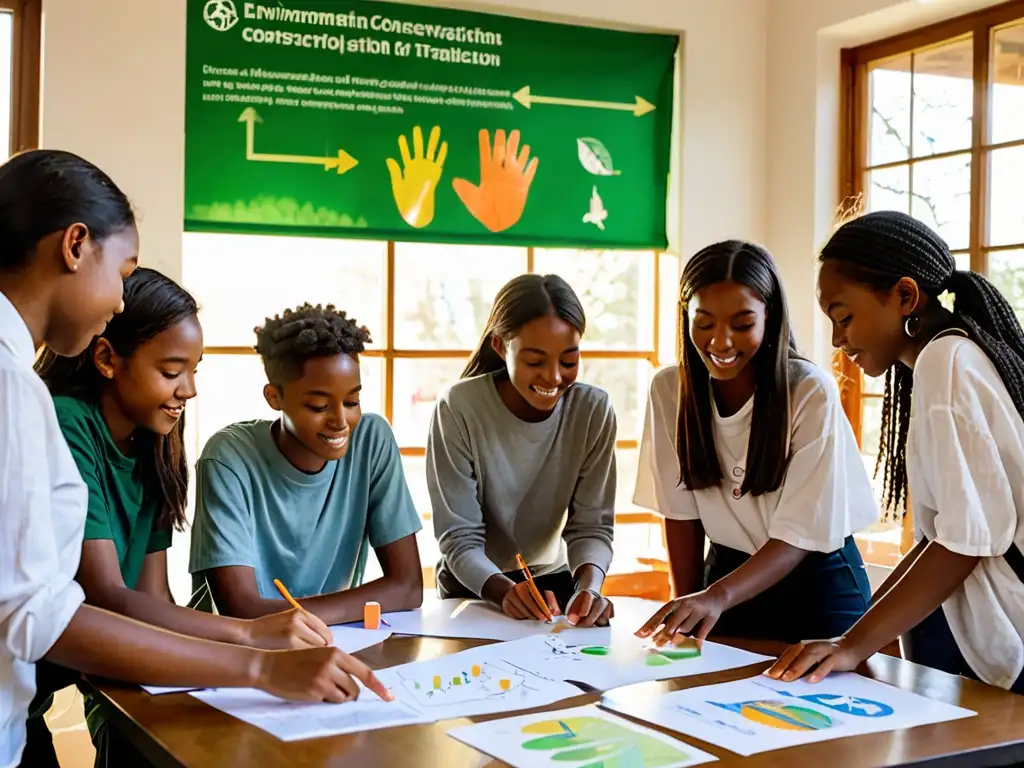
column 506, row 685
column 476, row 670
column 371, row 615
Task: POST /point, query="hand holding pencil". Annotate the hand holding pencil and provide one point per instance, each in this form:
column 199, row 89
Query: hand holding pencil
column 525, row 601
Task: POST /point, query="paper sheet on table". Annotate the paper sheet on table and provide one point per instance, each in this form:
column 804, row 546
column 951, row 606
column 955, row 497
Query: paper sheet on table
column 158, row 690
column 348, row 638
column 351, row 638
column 480, row 681
column 629, row 660
column 478, row 620
column 578, row 736
column 760, row 714
column 292, row 721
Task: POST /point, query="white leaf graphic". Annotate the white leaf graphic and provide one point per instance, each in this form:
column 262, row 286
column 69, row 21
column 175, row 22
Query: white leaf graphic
column 594, row 157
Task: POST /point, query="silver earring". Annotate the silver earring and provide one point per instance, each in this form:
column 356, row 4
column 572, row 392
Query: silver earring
column 912, row 325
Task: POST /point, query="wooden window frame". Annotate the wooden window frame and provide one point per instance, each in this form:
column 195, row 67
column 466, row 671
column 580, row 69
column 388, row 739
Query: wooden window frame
column 855, row 116
column 26, row 69
column 390, row 353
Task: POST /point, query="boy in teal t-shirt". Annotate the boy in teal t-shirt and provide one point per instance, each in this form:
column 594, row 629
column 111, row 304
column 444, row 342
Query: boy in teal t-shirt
column 303, row 499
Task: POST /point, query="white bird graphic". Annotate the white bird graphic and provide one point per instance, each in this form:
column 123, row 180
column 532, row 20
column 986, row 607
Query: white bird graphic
column 597, row 213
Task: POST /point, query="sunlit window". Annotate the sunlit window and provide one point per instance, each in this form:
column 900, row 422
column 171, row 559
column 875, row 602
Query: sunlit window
column 425, row 323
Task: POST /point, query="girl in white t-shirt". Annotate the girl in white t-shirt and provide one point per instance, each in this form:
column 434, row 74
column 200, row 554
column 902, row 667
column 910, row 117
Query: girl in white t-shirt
column 746, row 443
column 957, row 598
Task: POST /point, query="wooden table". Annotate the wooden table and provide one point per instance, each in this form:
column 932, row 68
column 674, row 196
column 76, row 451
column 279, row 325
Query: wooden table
column 176, row 730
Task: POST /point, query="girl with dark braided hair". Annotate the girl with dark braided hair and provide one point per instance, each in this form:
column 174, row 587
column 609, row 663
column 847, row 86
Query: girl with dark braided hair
column 956, row 448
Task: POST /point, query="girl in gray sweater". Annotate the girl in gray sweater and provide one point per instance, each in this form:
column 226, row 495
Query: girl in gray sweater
column 521, row 460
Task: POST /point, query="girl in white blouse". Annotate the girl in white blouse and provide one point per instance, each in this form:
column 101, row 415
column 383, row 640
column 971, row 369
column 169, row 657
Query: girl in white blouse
column 746, row 443
column 957, row 598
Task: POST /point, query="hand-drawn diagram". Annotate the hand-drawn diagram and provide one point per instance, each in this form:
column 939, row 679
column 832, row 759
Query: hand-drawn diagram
column 584, row 737
column 652, row 657
column 597, row 743
column 479, row 682
column 779, row 715
column 758, row 714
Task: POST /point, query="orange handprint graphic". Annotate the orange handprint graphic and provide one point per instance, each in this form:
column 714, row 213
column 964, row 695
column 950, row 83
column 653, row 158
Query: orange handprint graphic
column 506, row 173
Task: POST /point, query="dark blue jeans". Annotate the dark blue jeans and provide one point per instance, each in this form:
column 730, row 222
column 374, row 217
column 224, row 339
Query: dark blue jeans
column 821, row 598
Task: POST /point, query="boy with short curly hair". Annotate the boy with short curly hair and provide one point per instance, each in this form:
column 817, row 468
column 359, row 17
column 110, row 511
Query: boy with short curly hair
column 303, row 498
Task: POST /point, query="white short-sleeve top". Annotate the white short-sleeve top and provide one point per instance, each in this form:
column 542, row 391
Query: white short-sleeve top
column 826, row 494
column 965, row 467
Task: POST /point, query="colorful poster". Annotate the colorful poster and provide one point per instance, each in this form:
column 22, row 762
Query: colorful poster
column 584, row 737
column 349, row 118
column 760, row 714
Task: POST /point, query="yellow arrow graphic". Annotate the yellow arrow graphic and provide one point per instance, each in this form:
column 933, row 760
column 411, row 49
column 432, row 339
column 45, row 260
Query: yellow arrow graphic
column 638, row 107
column 343, row 162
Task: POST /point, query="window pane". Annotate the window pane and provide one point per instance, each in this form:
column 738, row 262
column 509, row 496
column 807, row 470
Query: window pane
column 1006, row 188
column 889, row 190
column 1006, row 271
column 1006, row 122
column 963, row 261
column 873, row 385
column 230, row 389
column 617, row 291
column 6, row 89
column 627, row 463
column 626, row 381
column 890, row 112
column 239, row 280
column 632, row 540
column 418, row 382
column 942, row 197
column 668, row 323
column 871, row 425
column 943, row 98
column 443, row 293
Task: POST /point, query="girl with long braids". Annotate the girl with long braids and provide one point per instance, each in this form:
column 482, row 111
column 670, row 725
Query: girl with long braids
column 957, row 599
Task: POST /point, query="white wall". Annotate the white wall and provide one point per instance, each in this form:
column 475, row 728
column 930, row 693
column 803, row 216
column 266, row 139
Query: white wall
column 760, row 97
column 114, row 92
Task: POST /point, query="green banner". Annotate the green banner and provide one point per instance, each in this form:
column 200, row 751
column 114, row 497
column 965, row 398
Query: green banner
column 375, row 120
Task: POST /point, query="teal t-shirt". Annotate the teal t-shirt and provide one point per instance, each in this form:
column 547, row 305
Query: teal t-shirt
column 119, row 507
column 312, row 531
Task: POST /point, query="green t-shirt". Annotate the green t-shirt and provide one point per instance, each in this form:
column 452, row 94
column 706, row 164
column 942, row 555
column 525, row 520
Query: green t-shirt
column 119, row 508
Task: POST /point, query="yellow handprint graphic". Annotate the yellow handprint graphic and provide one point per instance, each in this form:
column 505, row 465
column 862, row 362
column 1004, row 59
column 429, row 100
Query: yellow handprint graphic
column 414, row 183
column 505, row 177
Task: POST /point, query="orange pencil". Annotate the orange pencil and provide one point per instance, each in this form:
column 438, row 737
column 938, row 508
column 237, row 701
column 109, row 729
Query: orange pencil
column 538, row 598
column 287, row 595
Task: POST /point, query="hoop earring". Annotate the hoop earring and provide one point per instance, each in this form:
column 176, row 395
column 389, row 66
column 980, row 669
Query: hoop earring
column 912, row 325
